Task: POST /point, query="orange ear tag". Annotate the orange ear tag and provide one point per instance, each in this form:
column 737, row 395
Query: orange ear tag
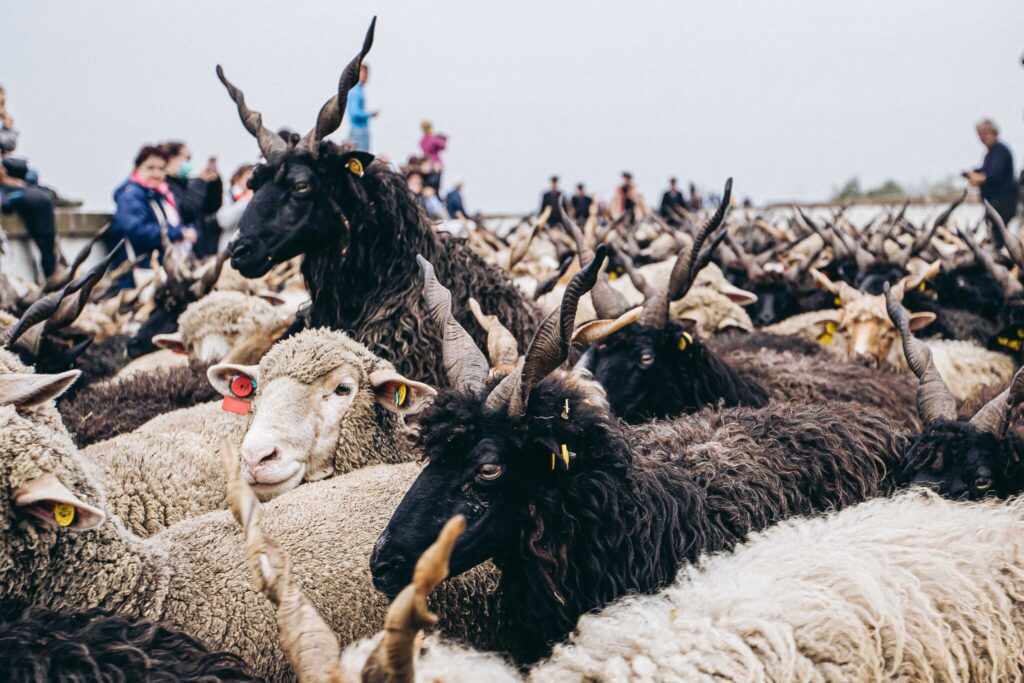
column 242, row 387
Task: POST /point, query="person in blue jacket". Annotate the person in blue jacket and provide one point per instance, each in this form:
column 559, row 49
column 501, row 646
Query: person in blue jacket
column 144, row 204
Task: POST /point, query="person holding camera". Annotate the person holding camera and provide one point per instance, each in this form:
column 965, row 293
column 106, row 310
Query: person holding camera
column 198, row 198
column 995, row 176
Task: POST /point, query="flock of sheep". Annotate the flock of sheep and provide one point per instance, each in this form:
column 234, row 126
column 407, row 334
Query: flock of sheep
column 744, row 446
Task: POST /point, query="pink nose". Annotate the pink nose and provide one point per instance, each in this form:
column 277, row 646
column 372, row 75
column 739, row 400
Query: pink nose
column 256, row 458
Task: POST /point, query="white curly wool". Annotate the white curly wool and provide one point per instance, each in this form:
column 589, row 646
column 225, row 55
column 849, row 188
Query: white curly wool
column 914, row 587
column 911, row 588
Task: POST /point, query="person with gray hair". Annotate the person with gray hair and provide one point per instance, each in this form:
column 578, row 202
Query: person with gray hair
column 995, row 177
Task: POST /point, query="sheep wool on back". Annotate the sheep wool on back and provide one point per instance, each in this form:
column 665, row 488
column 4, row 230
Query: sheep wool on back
column 915, row 587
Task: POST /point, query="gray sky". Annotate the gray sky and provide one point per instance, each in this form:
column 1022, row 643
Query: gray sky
column 790, row 97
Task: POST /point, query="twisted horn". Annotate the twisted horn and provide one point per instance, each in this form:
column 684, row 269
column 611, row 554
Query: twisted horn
column 1012, row 242
column 746, row 260
column 549, row 284
column 923, row 238
column 639, row 281
column 550, row 345
column 1010, row 284
column 463, row 361
column 331, row 114
column 934, row 401
column 205, row 284
column 656, row 310
column 608, row 301
column 268, row 141
column 995, row 414
column 310, row 645
column 393, row 660
column 502, row 347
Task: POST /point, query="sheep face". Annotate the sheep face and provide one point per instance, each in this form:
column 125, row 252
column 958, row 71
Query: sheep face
column 498, row 472
column 47, row 495
column 305, row 394
column 960, row 461
column 777, row 299
column 294, row 207
column 654, row 373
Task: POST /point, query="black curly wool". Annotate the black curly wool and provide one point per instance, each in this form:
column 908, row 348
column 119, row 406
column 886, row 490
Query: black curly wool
column 107, row 409
column 43, row 646
column 373, row 290
column 637, row 502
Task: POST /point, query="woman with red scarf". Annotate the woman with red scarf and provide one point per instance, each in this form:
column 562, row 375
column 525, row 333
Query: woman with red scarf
column 145, row 204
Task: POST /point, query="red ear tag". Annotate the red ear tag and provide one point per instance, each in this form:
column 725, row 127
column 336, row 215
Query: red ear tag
column 235, row 405
column 179, row 352
column 242, row 386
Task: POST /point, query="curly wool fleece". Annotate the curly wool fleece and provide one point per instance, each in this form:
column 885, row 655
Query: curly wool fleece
column 314, row 354
column 228, row 314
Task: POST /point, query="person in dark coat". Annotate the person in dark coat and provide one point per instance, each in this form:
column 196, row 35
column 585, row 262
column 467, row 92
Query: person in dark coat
column 995, row 177
column 581, row 203
column 198, row 198
column 453, row 201
column 672, row 202
column 145, row 203
column 552, row 198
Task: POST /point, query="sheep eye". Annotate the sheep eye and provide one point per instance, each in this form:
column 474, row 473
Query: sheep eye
column 490, row 471
column 343, row 390
column 982, row 483
column 302, row 188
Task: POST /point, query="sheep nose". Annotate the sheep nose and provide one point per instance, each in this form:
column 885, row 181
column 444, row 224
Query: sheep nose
column 257, row 457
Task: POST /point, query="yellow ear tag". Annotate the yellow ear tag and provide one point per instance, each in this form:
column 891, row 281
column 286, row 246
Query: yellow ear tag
column 685, row 340
column 565, row 455
column 64, row 513
column 921, row 287
column 1020, row 332
column 838, row 301
column 825, row 338
column 1002, row 341
column 1014, row 344
column 613, row 275
column 400, row 395
column 830, row 328
column 356, row 167
column 553, row 456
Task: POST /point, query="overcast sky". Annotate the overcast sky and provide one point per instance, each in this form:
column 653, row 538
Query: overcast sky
column 792, row 98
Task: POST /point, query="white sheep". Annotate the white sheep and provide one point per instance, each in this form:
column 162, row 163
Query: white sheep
column 321, row 405
column 914, row 587
column 60, row 547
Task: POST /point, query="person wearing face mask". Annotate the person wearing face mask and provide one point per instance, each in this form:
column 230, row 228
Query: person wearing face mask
column 230, row 214
column 145, row 204
column 199, row 198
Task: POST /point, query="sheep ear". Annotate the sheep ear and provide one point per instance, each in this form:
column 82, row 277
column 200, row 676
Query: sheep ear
column 737, row 295
column 220, row 376
column 398, row 394
column 55, row 504
column 171, row 342
column 24, row 390
column 921, row 320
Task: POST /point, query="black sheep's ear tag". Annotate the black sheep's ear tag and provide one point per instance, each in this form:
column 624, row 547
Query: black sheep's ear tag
column 1011, row 338
column 356, row 162
column 685, row 339
column 562, row 460
column 827, row 336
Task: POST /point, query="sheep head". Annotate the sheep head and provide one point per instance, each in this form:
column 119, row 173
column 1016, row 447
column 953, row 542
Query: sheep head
column 495, row 445
column 294, row 205
column 305, row 400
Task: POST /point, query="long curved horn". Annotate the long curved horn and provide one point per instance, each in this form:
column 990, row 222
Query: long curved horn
column 924, row 237
column 1012, row 242
column 827, row 236
column 608, row 301
column 638, row 279
column 81, row 256
column 934, row 401
column 463, row 361
column 502, row 347
column 204, row 285
column 748, row 262
column 549, row 284
column 331, row 114
column 995, row 415
column 268, row 141
column 1010, row 284
column 393, row 660
column 656, row 310
column 550, row 345
column 310, row 645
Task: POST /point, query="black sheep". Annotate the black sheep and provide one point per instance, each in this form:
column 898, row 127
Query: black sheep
column 578, row 509
column 660, row 368
column 960, row 458
column 359, row 226
column 42, row 645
